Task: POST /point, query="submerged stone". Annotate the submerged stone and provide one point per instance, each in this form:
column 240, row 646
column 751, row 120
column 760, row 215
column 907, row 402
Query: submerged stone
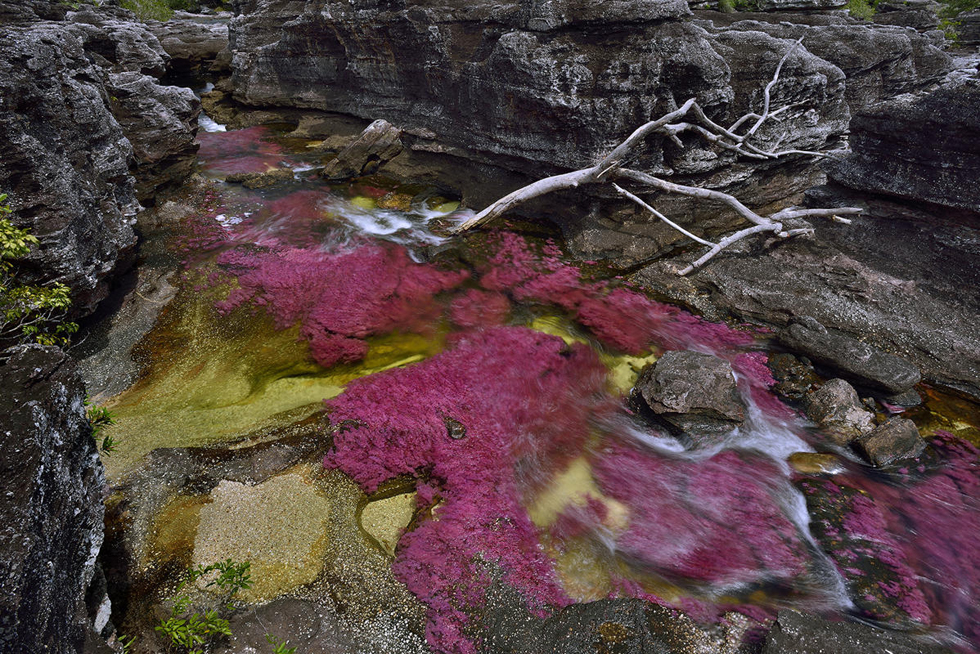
column 803, row 633
column 278, row 526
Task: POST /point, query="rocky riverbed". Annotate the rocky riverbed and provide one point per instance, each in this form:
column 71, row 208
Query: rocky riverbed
column 533, row 437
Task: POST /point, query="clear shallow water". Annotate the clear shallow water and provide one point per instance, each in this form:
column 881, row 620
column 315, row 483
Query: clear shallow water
column 494, row 376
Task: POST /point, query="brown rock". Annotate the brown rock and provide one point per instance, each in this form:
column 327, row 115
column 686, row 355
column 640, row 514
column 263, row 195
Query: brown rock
column 378, row 144
column 838, row 410
column 894, row 440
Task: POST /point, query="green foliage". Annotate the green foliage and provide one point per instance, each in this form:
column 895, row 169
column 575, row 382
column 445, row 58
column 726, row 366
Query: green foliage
column 28, row 313
column 100, row 417
column 863, row 9
column 126, row 642
column 194, row 632
column 279, row 646
column 950, row 11
column 149, row 9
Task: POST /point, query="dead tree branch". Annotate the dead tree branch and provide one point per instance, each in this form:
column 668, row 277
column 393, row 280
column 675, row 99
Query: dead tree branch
column 690, row 118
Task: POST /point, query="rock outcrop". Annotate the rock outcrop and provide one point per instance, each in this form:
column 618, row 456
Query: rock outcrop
column 64, row 161
column 76, row 98
column 51, row 508
column 919, row 147
column 191, row 43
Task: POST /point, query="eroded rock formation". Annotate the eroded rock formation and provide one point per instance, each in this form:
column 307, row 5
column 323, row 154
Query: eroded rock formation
column 50, row 503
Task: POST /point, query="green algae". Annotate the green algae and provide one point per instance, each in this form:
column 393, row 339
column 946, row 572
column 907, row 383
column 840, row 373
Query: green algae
column 218, row 379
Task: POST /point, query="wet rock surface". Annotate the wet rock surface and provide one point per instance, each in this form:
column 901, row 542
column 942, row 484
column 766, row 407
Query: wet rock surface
column 836, row 407
column 803, row 633
column 890, row 442
column 865, row 364
column 694, row 392
column 51, row 508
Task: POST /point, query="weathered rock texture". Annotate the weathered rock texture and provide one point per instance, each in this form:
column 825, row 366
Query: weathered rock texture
column 190, row 42
column 802, row 633
column 75, row 97
column 865, row 364
column 836, row 407
column 51, row 485
column 64, row 160
column 919, row 147
column 693, row 392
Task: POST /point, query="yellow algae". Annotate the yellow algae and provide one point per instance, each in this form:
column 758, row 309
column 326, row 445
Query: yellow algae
column 446, row 207
column 558, row 326
column 584, row 569
column 812, row 463
column 363, row 202
column 624, row 370
column 221, row 379
column 949, row 411
column 278, row 526
column 574, row 486
column 174, row 530
column 385, row 519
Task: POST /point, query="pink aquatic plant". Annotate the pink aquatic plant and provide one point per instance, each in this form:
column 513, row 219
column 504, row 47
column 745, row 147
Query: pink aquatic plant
column 247, row 150
column 338, row 298
column 621, row 318
column 716, row 520
column 477, row 422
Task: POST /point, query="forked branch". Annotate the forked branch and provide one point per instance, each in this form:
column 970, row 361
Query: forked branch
column 690, row 118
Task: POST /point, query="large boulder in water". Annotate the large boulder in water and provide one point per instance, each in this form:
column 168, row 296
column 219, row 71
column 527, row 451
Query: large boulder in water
column 51, row 487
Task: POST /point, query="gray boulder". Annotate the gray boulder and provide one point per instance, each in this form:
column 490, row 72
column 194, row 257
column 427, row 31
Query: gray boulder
column 838, row 410
column 51, row 488
column 890, row 442
column 378, row 144
column 693, row 392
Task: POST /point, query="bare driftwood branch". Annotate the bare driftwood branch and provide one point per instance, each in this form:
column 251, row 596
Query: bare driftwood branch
column 689, row 117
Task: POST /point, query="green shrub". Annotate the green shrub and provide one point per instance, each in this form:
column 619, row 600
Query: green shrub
column 149, row 9
column 950, row 11
column 194, row 632
column 863, row 9
column 28, row 313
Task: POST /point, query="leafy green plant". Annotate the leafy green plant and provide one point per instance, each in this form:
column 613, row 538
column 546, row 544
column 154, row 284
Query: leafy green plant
column 100, row 417
column 949, row 13
column 279, row 646
column 193, row 632
column 126, row 642
column 28, row 313
column 149, row 9
column 863, row 9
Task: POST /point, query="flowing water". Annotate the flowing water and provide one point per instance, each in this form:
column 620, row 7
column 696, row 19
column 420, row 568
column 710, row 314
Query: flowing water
column 477, row 392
